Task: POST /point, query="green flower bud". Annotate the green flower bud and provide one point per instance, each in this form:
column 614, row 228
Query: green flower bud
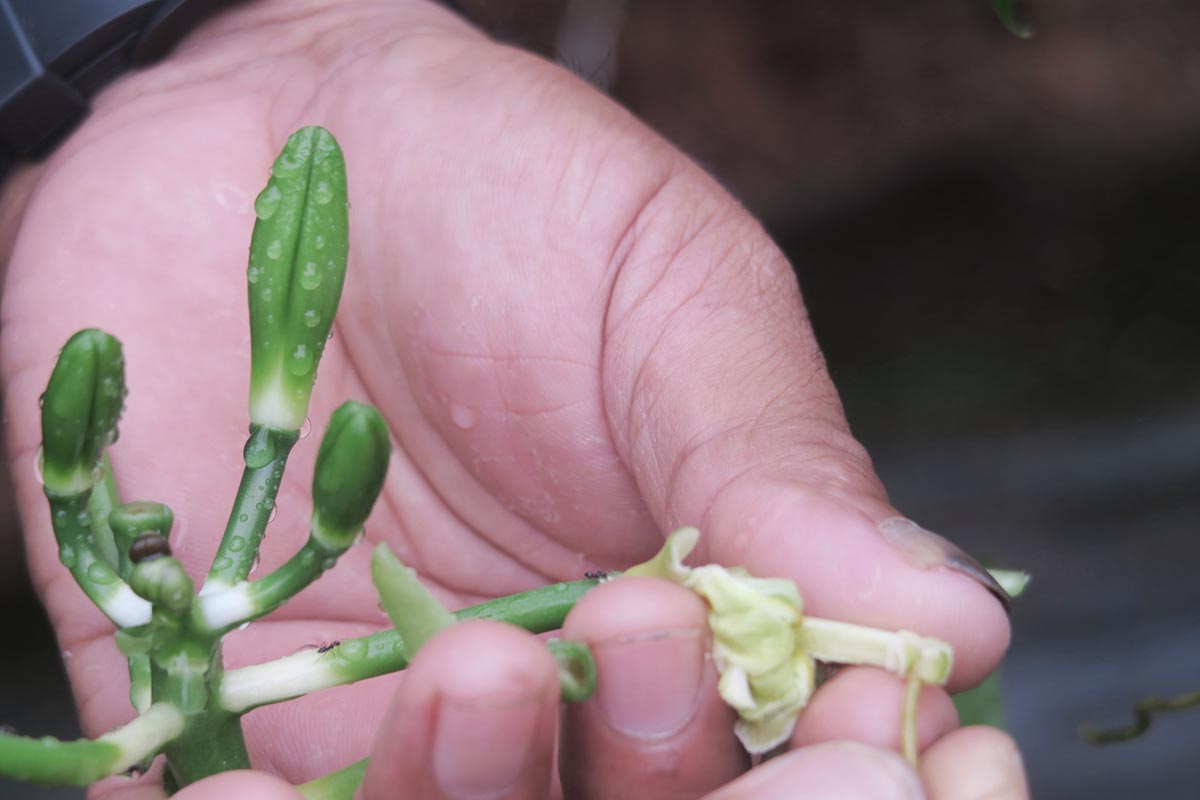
column 348, row 477
column 133, row 520
column 297, row 266
column 164, row 583
column 80, row 410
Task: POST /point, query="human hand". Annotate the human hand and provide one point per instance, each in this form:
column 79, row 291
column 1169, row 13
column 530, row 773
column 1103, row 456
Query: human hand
column 578, row 340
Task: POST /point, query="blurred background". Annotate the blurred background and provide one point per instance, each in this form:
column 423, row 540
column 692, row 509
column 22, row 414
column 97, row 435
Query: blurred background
column 998, row 243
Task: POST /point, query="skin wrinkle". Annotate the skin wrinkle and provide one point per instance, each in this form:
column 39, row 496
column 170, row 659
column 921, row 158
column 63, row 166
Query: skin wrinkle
column 701, row 292
column 691, row 450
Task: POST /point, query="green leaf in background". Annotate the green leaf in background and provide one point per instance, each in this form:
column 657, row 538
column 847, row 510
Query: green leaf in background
column 984, row 705
column 981, row 705
column 1004, row 10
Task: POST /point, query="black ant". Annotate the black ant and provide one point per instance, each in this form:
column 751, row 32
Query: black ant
column 325, row 648
column 596, row 574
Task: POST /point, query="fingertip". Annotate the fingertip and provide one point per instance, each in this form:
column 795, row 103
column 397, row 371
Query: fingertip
column 475, row 716
column 246, row 784
column 655, row 726
column 628, row 606
column 481, row 657
column 974, row 762
column 864, row 704
column 829, row 771
column 848, row 570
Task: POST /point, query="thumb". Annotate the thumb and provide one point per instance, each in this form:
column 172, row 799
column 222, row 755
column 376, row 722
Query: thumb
column 721, row 406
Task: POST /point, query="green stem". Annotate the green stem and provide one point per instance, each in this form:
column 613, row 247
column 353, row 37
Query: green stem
column 217, row 612
column 339, row 785
column 576, row 669
column 140, row 693
column 212, row 743
column 539, row 610
column 908, row 719
column 95, row 575
column 265, row 455
column 103, row 500
column 212, row 740
column 105, row 497
column 78, row 763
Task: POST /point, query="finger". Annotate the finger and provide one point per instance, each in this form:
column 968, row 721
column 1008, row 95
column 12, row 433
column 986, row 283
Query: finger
column 656, row 726
column 833, row 771
column 242, row 784
column 865, row 705
column 972, row 764
column 720, row 404
column 475, row 716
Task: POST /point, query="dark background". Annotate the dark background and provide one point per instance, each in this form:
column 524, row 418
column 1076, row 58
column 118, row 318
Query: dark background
column 998, row 243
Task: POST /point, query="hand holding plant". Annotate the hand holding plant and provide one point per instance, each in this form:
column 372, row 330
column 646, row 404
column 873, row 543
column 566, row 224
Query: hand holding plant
column 577, row 340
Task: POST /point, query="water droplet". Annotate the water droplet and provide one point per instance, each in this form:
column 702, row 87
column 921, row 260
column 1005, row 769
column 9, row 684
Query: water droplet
column 328, row 563
column 560, row 587
column 67, row 556
column 308, row 558
column 274, row 513
column 267, row 202
column 243, row 517
column 243, row 626
column 237, row 544
column 306, row 428
column 285, row 165
column 253, row 273
column 274, row 249
column 67, row 655
column 462, row 416
column 254, row 564
column 310, row 276
column 353, row 650
column 259, row 450
column 311, row 318
column 319, row 241
column 358, row 538
column 322, row 193
column 266, row 294
column 301, row 362
column 99, row 572
column 39, row 463
column 42, row 400
column 222, row 564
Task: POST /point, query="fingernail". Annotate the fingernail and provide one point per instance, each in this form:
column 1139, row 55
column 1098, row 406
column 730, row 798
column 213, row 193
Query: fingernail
column 481, row 747
column 928, row 550
column 648, row 685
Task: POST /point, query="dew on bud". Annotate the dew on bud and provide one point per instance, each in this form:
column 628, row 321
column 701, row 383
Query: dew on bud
column 267, row 202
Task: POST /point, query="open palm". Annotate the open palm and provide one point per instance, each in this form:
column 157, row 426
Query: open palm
column 577, row 340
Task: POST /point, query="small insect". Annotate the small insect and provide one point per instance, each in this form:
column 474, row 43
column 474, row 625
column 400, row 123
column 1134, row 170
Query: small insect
column 325, row 648
column 596, row 574
column 149, row 546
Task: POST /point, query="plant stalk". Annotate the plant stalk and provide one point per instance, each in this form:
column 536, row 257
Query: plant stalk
column 265, row 455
